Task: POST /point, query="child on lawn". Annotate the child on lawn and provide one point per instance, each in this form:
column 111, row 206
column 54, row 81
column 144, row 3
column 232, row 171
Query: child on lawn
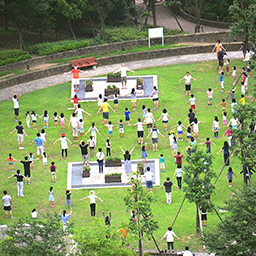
column 224, row 118
column 242, row 88
column 51, row 197
column 210, row 94
column 162, row 165
column 110, row 129
column 234, row 74
column 31, row 158
column 180, row 130
column 189, row 133
column 208, row 145
column 223, row 105
column 178, row 172
column 175, row 145
column 43, row 135
column 44, row 160
column 133, row 98
column 62, row 122
column 100, row 100
column 192, row 101
column 230, row 176
column 164, row 117
column 171, row 136
column 28, row 119
column 94, row 130
column 216, row 127
column 56, row 119
column 64, row 144
column 196, row 127
column 108, row 147
column 92, row 145
column 127, row 116
column 121, row 128
column 242, row 100
column 10, row 159
column 155, row 133
column 222, row 81
column 144, row 154
column 46, row 118
column 68, row 195
column 75, row 101
column 155, row 96
column 246, row 83
column 227, row 66
column 144, row 112
column 53, row 170
column 191, row 116
column 34, row 119
column 81, row 130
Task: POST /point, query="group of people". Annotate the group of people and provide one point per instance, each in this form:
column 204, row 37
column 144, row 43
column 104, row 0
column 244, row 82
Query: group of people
column 147, row 119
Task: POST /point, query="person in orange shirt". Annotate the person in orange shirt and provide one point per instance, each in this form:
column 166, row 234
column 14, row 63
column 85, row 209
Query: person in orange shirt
column 218, row 45
column 124, row 235
column 75, row 80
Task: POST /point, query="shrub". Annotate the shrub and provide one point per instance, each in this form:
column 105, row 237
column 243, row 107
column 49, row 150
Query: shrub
column 61, row 46
column 115, row 74
column 12, row 56
column 114, row 174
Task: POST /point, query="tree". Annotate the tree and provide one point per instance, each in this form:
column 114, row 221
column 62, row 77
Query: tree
column 245, row 146
column 97, row 239
column 139, row 201
column 151, row 6
column 42, row 238
column 244, row 16
column 197, row 8
column 236, row 235
column 198, row 176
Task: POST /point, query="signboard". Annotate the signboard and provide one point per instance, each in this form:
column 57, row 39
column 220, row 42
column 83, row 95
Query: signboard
column 155, row 33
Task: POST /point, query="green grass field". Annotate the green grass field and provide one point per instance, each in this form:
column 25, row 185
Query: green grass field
column 174, row 99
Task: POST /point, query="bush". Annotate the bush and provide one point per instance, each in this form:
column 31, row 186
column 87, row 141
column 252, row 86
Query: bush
column 61, row 46
column 12, row 56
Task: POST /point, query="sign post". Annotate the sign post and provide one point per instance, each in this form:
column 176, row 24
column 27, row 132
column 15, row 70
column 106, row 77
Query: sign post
column 155, row 33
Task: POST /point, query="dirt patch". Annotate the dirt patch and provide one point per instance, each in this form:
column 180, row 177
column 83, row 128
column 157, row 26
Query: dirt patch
column 2, row 77
column 43, row 66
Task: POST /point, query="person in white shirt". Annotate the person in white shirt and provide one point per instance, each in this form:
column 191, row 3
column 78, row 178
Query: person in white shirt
column 187, row 79
column 149, row 179
column 187, row 252
column 94, row 130
column 233, row 122
column 92, row 198
column 7, row 204
column 123, row 71
column 79, row 111
column 149, row 120
column 192, row 101
column 155, row 133
column 74, row 124
column 34, row 214
column 64, row 144
column 100, row 157
column 169, row 235
column 16, row 106
column 140, row 130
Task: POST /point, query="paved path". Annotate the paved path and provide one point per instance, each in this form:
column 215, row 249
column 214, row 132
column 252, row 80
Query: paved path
column 165, row 18
column 141, row 64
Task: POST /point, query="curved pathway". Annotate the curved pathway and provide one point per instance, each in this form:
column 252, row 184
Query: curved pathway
column 102, row 70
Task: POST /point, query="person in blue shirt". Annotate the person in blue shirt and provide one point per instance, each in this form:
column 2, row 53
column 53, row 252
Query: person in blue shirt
column 127, row 116
column 40, row 144
column 65, row 217
column 222, row 81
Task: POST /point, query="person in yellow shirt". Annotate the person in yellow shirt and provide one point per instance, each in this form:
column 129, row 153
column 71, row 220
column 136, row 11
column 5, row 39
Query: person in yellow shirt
column 242, row 99
column 105, row 110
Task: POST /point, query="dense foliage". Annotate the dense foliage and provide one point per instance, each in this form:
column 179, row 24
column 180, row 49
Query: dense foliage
column 11, row 56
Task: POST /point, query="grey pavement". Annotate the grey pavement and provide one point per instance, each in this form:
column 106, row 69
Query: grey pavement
column 141, row 64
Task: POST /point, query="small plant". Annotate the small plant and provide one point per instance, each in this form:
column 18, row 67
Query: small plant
column 89, row 82
column 86, row 168
column 116, row 74
column 114, row 159
column 114, row 174
column 112, row 87
column 140, row 80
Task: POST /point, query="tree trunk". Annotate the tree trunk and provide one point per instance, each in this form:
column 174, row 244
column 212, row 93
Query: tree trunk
column 57, row 35
column 22, row 45
column 93, row 31
column 102, row 24
column 141, row 251
column 73, row 34
column 244, row 175
column 197, row 221
column 154, row 13
column 175, row 17
column 5, row 21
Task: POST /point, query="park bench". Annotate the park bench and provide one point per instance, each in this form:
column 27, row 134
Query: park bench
column 85, row 62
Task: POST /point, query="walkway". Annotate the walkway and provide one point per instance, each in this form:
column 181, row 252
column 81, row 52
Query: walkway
column 141, row 64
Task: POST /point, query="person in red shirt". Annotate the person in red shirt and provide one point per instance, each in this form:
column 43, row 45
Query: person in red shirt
column 75, row 101
column 178, row 157
column 75, row 80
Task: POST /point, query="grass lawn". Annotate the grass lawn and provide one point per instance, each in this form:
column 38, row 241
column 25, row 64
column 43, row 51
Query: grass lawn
column 174, row 99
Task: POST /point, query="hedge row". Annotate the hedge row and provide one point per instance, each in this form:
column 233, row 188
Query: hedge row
column 61, row 46
column 12, row 56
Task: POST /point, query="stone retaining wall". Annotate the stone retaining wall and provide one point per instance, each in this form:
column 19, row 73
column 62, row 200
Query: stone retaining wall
column 30, row 76
column 188, row 38
column 210, row 23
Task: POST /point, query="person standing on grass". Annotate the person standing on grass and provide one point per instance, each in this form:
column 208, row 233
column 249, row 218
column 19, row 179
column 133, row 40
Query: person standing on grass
column 140, row 130
column 208, row 145
column 220, row 58
column 133, row 98
column 180, row 127
column 127, row 160
column 123, row 71
column 84, row 152
column 11, row 160
column 105, row 110
column 144, row 154
column 51, row 197
column 121, row 128
column 26, row 165
column 110, row 129
column 169, row 235
column 62, row 122
column 187, row 79
column 75, row 101
column 75, row 125
column 226, row 153
column 165, row 117
column 168, row 189
column 218, row 46
column 230, row 176
column 20, row 131
column 94, row 130
column 216, row 127
column 154, row 94
column 79, row 111
column 127, row 116
column 243, row 48
column 149, row 120
column 100, row 159
column 65, row 217
column 7, row 204
column 178, row 158
column 64, row 144
column 149, row 179
column 108, row 148
column 223, row 104
column 56, row 119
column 92, row 198
column 20, row 178
column 75, row 80
column 178, row 172
column 68, row 197
column 192, row 101
column 40, row 144
column 155, row 133
column 191, row 116
column 196, row 127
column 162, row 165
column 16, row 106
column 210, row 94
column 53, row 170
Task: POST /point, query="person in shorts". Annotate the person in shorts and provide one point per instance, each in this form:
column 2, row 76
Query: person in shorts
column 123, row 71
column 84, row 152
column 20, row 131
column 204, row 216
column 40, row 144
column 53, row 170
column 162, row 165
column 105, row 110
column 140, row 130
column 7, row 204
column 155, row 133
column 149, row 120
column 26, row 165
column 187, row 79
column 149, row 179
column 75, row 125
column 16, row 106
column 192, row 101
